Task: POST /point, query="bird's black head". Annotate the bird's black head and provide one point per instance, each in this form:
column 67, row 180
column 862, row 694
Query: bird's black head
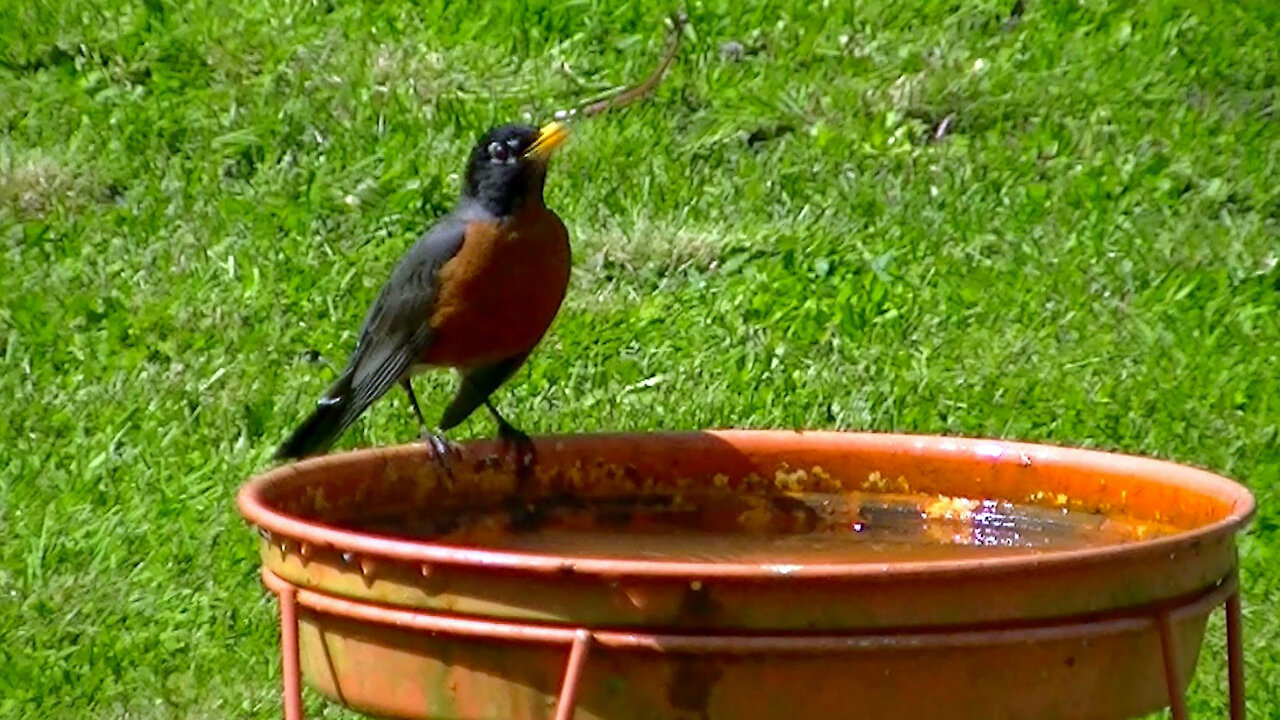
column 509, row 165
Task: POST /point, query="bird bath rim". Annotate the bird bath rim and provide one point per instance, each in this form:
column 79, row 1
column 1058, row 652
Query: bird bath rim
column 257, row 509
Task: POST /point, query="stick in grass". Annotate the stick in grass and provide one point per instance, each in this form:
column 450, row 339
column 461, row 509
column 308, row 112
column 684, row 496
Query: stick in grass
column 630, row 95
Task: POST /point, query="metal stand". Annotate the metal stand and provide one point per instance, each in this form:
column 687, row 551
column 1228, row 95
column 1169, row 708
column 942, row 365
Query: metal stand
column 581, row 641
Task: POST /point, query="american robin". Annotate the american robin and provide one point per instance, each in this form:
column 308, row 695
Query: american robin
column 475, row 293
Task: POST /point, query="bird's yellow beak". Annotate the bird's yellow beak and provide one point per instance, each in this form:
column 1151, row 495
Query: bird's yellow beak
column 549, row 138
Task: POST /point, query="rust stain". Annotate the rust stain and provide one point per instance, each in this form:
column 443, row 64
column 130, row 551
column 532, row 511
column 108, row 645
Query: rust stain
column 693, row 679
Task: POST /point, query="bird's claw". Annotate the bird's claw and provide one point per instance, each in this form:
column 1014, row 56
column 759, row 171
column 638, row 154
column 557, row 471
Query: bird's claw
column 442, row 451
column 521, row 447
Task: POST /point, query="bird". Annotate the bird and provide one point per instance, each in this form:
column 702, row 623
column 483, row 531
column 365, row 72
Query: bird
column 475, row 293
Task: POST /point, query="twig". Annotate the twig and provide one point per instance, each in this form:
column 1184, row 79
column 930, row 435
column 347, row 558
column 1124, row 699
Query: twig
column 630, row 95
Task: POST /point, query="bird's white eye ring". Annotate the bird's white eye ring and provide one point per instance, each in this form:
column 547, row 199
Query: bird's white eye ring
column 498, row 151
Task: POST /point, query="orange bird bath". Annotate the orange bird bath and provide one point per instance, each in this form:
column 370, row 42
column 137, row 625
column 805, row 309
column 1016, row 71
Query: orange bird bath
column 749, row 575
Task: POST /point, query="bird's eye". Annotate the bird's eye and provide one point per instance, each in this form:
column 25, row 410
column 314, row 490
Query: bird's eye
column 498, row 152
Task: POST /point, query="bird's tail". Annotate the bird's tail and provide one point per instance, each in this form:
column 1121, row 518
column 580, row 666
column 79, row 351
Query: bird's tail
column 319, row 431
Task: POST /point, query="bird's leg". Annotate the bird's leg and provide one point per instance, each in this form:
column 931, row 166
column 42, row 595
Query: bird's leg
column 413, row 401
column 440, row 447
column 515, row 439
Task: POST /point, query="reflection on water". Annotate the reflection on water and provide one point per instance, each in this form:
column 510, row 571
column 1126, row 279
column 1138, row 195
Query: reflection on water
column 799, row 527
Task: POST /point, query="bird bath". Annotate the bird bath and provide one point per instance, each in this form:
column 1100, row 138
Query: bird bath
column 749, row 574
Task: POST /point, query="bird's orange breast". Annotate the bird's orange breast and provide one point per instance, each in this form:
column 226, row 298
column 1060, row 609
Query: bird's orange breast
column 498, row 295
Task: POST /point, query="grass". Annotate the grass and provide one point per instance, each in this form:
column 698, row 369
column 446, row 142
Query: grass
column 199, row 200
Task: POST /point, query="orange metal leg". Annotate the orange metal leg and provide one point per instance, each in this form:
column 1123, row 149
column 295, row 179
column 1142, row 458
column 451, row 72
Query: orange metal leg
column 1177, row 702
column 289, row 652
column 568, row 702
column 1235, row 656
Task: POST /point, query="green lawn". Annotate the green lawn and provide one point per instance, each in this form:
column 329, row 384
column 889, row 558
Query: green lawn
column 199, row 200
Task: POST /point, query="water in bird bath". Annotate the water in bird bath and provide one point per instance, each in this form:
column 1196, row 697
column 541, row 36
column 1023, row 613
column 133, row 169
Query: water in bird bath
column 792, row 528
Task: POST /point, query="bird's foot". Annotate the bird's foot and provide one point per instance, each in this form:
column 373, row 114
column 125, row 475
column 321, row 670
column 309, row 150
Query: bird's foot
column 442, row 451
column 521, row 447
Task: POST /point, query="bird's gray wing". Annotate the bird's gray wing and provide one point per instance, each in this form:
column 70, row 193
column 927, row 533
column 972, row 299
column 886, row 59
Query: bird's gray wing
column 397, row 330
column 395, row 333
